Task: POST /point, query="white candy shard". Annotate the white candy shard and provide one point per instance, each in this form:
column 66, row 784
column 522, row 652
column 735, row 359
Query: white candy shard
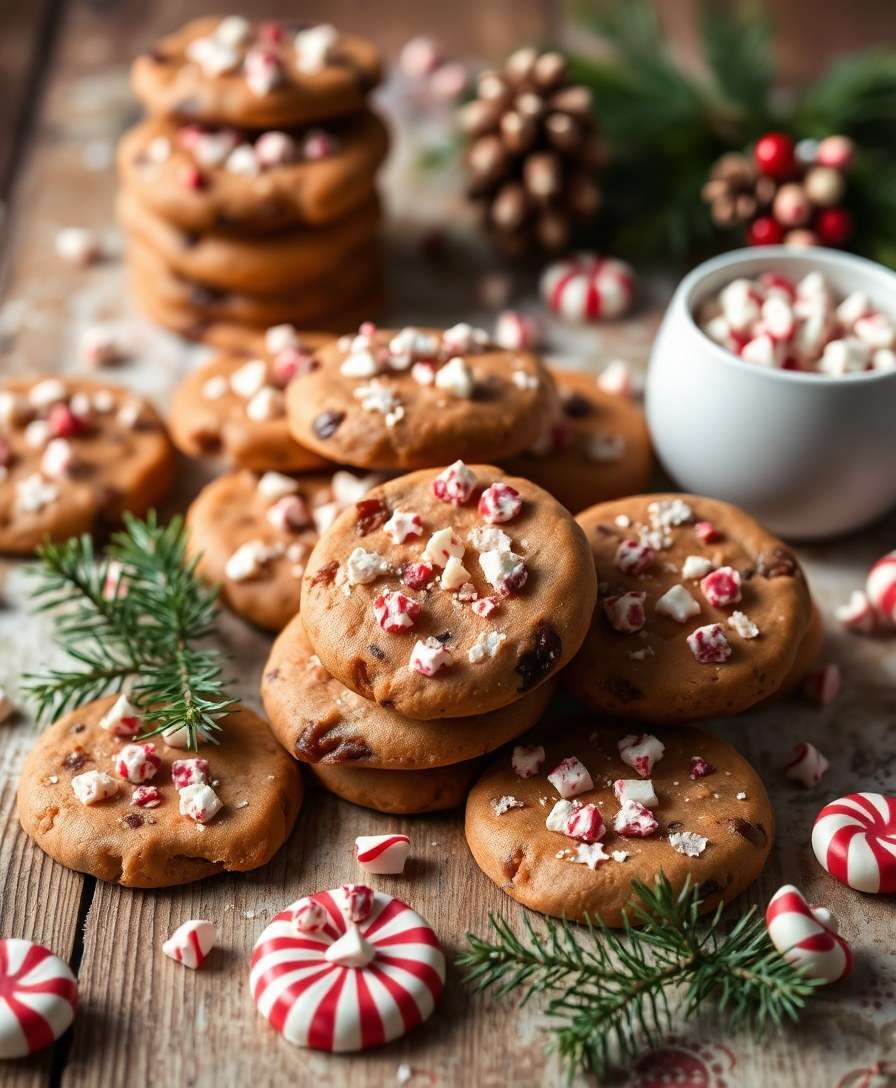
column 807, row 766
column 678, row 604
column 364, row 567
column 200, row 803
column 191, row 942
column 382, row 854
column 641, row 751
column 94, row 786
column 688, row 843
column 351, row 949
column 527, row 760
column 570, row 778
column 635, row 789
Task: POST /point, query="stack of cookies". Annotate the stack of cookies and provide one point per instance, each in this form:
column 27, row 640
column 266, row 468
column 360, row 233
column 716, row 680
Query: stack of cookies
column 248, row 196
column 435, row 613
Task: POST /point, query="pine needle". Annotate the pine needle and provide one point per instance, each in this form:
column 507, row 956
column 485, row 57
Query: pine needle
column 610, row 994
column 141, row 630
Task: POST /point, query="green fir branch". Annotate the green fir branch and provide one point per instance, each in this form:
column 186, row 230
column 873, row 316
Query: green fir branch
column 146, row 636
column 610, row 994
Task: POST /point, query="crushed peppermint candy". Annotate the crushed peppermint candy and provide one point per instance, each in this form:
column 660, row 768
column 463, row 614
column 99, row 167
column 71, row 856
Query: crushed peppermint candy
column 485, row 606
column 570, row 778
column 706, row 532
column 669, row 513
column 577, row 821
column 247, row 561
column 137, row 762
column 625, row 612
column 709, row 645
column 122, row 719
column 741, row 623
column 500, row 503
column 486, row 645
column 417, row 575
column 527, row 760
column 454, row 484
column 200, row 803
column 395, row 611
column 442, row 546
column 677, row 604
column 721, row 587
column 404, row 525
column 455, row 576
column 635, row 789
column 588, row 853
column 94, row 786
column 807, row 766
column 456, row 378
column 486, row 538
column 429, row 656
column 363, row 567
column 688, row 843
column 633, row 557
column 641, row 752
column 505, row 804
column 634, row 820
column 504, row 570
column 700, row 768
column 695, row 567
column 146, row 797
column 276, row 485
column 375, row 396
column 189, row 772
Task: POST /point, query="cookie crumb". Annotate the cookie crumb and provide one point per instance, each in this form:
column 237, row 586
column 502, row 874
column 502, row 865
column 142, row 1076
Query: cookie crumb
column 688, row 843
column 505, row 804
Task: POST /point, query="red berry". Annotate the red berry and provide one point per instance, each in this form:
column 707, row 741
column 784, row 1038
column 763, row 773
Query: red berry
column 765, row 231
column 774, row 155
column 834, row 226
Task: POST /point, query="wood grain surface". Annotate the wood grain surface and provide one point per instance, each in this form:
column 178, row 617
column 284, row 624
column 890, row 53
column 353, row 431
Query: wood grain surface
column 146, row 1021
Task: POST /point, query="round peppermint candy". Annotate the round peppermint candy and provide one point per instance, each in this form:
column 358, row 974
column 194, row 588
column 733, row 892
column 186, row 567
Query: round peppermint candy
column 881, row 589
column 854, row 838
column 586, row 287
column 38, row 997
column 348, row 986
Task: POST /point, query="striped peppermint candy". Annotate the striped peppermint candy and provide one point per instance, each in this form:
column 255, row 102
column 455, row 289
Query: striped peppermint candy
column 191, row 942
column 854, row 839
column 587, row 287
column 383, row 854
column 38, row 997
column 881, row 588
column 316, row 1003
column 807, row 936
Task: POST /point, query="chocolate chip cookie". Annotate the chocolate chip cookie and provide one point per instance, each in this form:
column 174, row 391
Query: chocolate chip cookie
column 148, row 815
column 566, row 820
column 700, row 611
column 420, row 397
column 74, row 455
column 449, row 593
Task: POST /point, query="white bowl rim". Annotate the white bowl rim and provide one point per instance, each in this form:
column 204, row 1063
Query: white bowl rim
column 688, row 287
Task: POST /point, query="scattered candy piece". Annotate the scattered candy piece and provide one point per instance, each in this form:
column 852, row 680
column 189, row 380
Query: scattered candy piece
column 515, row 331
column 823, row 686
column 881, row 589
column 857, row 615
column 499, row 503
column 191, row 942
column 634, row 820
column 189, row 772
column 527, row 760
column 807, row 766
column 635, row 789
column 570, row 778
column 454, row 484
column 309, row 916
column 700, row 768
column 39, row 997
column 395, row 612
column 709, row 645
column 632, row 557
column 625, row 613
column 641, row 751
column 137, row 762
column 200, row 803
column 577, row 821
column 94, row 786
column 854, row 839
column 721, row 587
column 616, row 379
column 146, row 796
column 382, row 854
column 677, row 604
column 688, row 843
column 586, row 287
column 428, row 656
column 807, row 936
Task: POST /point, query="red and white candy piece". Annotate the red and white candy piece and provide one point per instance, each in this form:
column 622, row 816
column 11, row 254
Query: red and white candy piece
column 320, row 1000
column 641, row 751
column 137, row 763
column 586, row 287
column 854, row 839
column 191, row 942
column 527, row 760
column 576, row 820
column 635, row 821
column 709, row 645
column 38, row 997
column 499, row 503
column 721, row 587
column 857, row 614
column 515, row 331
column 625, row 612
column 454, row 484
column 189, row 772
column 823, row 685
column 807, row 766
column 395, row 611
column 309, row 916
column 632, row 557
column 382, row 854
column 807, row 936
column 122, row 718
column 429, row 656
column 881, row 589
column 570, row 777
column 403, row 525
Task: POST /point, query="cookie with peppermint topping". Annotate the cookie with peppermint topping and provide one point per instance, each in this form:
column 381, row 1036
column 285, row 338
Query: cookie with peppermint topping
column 399, row 792
column 417, row 397
column 75, row 454
column 499, row 575
column 230, row 71
column 234, row 405
column 252, row 534
column 726, row 611
column 228, row 809
column 607, row 806
column 595, row 448
column 205, row 177
column 325, row 724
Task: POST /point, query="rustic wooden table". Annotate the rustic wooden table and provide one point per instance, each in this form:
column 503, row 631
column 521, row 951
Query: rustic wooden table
column 145, row 1020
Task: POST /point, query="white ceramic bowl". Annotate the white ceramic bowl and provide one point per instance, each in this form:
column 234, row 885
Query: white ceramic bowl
column 810, row 456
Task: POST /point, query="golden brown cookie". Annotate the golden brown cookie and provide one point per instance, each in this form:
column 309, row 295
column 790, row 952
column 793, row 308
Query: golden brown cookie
column 263, row 75
column 597, row 448
column 204, row 179
column 234, row 406
column 319, row 720
column 419, row 397
column 74, row 455
column 700, row 611
column 445, row 594
column 151, row 279
column 254, row 534
column 230, row 261
column 398, row 792
column 806, row 656
column 709, row 818
column 126, row 838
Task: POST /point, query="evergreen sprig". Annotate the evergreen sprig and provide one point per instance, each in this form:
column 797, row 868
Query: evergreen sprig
column 610, row 994
column 136, row 617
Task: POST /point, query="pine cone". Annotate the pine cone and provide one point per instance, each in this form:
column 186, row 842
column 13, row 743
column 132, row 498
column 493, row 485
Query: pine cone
column 736, row 192
column 533, row 154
